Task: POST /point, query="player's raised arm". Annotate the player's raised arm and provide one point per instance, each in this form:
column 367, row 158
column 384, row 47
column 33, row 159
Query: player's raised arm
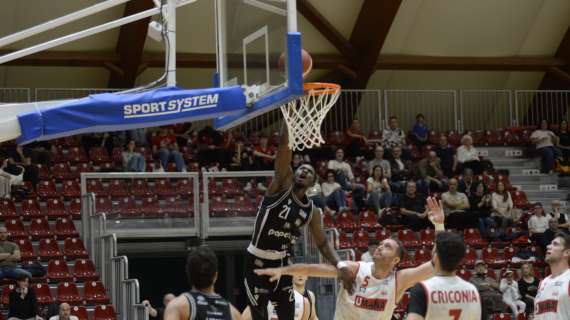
column 300, row 269
column 283, row 172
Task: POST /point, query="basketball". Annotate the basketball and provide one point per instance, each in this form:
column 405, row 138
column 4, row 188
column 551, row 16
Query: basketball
column 305, row 59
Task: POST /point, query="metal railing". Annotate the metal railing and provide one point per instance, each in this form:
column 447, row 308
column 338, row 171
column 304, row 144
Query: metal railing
column 535, row 105
column 14, row 95
column 486, row 109
column 364, row 104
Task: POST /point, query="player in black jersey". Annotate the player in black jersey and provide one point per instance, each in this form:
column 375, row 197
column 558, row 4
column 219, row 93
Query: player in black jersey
column 201, row 302
column 284, row 210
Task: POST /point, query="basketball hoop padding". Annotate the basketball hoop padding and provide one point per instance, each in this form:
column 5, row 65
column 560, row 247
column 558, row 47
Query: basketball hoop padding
column 305, row 115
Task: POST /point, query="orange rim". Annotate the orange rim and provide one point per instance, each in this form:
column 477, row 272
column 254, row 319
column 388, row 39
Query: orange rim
column 320, row 88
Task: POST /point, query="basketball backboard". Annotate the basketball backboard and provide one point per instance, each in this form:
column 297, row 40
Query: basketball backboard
column 251, row 37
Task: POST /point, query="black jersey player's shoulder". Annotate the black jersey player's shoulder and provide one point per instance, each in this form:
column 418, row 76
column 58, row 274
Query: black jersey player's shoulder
column 208, row 306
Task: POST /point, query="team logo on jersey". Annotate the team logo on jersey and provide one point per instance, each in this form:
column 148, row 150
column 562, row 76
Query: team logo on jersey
column 281, row 234
column 545, row 307
column 370, row 304
column 201, row 300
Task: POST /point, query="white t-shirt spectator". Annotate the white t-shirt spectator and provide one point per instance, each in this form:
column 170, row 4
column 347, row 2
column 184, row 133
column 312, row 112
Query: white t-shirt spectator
column 464, row 155
column 498, row 203
column 544, row 138
column 343, row 166
column 538, row 224
column 457, row 199
column 315, row 190
column 328, row 188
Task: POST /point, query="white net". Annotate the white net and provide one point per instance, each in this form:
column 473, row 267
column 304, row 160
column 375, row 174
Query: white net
column 305, row 115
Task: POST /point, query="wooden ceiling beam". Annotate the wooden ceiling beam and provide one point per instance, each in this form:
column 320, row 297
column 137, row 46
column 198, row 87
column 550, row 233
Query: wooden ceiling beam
column 554, row 80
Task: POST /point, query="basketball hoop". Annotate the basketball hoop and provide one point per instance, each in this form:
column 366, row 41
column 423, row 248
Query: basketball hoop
column 305, row 115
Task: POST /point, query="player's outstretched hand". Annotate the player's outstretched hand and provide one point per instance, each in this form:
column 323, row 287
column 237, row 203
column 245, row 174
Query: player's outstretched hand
column 273, row 273
column 435, row 211
column 346, row 276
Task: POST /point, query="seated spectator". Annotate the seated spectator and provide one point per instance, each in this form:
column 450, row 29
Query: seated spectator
column 22, row 301
column 480, row 208
column 380, row 161
column 263, row 158
column 378, row 188
column 297, row 161
column 64, row 313
column 214, row 150
column 242, row 159
column 345, row 178
column 158, row 313
column 401, row 171
column 502, row 206
column 5, row 182
column 549, row 234
column 9, row 257
column 393, row 136
column 356, row 141
column 413, row 208
column 544, row 140
column 420, row 131
column 466, row 183
column 22, row 162
column 455, row 206
column 511, row 295
column 468, row 156
column 538, row 223
column 333, row 192
column 367, row 256
column 138, row 135
column 315, row 193
column 562, row 218
column 491, row 298
column 446, row 155
column 563, row 142
column 133, row 161
column 165, row 144
column 431, row 173
column 528, row 286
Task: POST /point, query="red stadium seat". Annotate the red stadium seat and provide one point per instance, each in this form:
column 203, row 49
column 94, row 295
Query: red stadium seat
column 495, row 137
column 464, row 274
column 407, row 262
column 16, row 229
column 26, row 250
column 84, row 167
column 55, row 208
column 127, row 207
column 408, row 238
column 31, row 209
column 6, row 293
column 43, row 171
column 118, row 188
column 71, row 189
column 360, row 239
column 382, row 234
column 61, row 171
column 39, row 228
column 246, row 207
column 470, row 257
column 368, row 220
column 422, row 255
column 104, row 205
column 345, row 221
column 67, row 292
column 140, row 188
column 150, row 207
column 80, row 312
column 58, row 271
column 43, row 293
column 84, row 270
column 99, row 155
column 74, row 248
column 509, row 253
column 501, row 316
column 336, row 138
column 473, row 238
column 454, row 138
column 64, row 228
column 343, row 241
column 491, row 257
column 75, row 207
column 104, row 313
column 47, row 189
column 427, row 237
column 95, row 292
column 433, row 137
column 117, row 155
column 328, row 221
column 95, row 186
column 176, row 207
column 7, row 209
column 375, row 136
column 48, row 249
column 520, row 200
column 164, row 188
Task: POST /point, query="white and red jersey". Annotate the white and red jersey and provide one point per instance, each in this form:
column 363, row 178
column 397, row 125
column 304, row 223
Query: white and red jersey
column 552, row 302
column 299, row 307
column 373, row 299
column 451, row 298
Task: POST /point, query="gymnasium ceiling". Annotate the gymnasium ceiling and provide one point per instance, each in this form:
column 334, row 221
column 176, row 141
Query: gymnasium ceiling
column 408, row 44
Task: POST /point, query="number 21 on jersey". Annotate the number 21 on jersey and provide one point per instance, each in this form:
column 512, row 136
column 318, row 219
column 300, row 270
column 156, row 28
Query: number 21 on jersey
column 284, row 213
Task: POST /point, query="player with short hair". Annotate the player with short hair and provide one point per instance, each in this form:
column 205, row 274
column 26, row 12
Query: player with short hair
column 445, row 296
column 284, row 210
column 552, row 302
column 379, row 286
column 201, row 302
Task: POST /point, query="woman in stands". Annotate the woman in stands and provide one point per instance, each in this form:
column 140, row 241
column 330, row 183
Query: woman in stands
column 133, row 161
column 468, row 156
column 502, row 206
column 544, row 139
column 378, row 188
column 22, row 301
column 480, row 206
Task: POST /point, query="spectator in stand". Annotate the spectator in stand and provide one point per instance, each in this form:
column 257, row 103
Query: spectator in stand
column 480, row 208
column 393, row 136
column 511, row 295
column 400, row 169
column 528, row 286
column 5, row 181
column 356, row 141
column 332, row 191
column 214, row 150
column 263, row 158
column 562, row 218
column 9, row 257
column 378, row 188
column 242, row 159
column 315, row 193
column 549, row 234
column 158, row 313
column 413, row 208
column 468, row 156
column 139, row 135
column 19, row 163
column 538, row 223
column 502, row 206
column 446, row 154
column 22, row 301
column 367, row 256
column 133, row 161
column 297, row 161
column 165, row 144
column 491, row 299
column 64, row 313
column 380, row 161
column 455, row 206
column 431, row 172
column 420, row 131
column 466, row 182
column 345, row 178
column 563, row 142
column 545, row 140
